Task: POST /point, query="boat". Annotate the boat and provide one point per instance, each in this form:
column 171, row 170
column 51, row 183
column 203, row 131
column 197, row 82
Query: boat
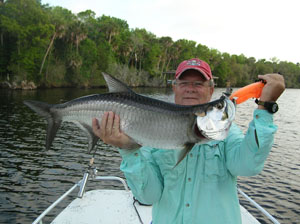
column 115, row 206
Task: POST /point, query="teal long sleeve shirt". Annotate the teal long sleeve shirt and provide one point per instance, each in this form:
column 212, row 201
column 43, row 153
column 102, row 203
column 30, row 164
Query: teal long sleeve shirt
column 202, row 188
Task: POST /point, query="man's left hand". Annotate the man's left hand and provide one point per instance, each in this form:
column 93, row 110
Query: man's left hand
column 273, row 88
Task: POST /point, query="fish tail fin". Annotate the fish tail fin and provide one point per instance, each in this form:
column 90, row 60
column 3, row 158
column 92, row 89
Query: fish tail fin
column 187, row 148
column 43, row 109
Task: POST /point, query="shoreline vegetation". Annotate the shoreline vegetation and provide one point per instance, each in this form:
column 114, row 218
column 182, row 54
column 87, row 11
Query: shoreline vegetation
column 50, row 47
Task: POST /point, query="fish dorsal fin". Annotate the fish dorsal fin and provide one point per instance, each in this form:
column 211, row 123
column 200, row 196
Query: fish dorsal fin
column 115, row 85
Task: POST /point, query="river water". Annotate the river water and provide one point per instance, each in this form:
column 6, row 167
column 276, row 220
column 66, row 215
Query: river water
column 32, row 177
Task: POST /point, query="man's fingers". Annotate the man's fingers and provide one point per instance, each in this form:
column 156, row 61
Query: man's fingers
column 272, row 77
column 109, row 124
column 109, row 132
column 116, row 125
column 273, row 88
column 95, row 124
column 103, row 124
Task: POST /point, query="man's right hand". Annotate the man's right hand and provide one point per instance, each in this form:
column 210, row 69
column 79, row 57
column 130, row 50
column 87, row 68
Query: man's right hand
column 109, row 132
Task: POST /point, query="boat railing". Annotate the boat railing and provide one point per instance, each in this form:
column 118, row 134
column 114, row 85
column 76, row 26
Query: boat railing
column 82, row 183
column 261, row 209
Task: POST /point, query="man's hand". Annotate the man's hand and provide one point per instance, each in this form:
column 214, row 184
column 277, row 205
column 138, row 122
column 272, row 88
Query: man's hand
column 273, row 88
column 109, row 132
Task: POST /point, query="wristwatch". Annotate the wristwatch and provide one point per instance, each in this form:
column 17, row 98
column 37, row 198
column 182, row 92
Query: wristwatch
column 271, row 106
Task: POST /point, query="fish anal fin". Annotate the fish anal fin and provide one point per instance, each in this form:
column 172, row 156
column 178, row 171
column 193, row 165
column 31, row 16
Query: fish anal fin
column 93, row 139
column 52, row 128
column 187, row 148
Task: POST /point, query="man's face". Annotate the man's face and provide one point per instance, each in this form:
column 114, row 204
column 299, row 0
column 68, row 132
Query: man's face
column 187, row 93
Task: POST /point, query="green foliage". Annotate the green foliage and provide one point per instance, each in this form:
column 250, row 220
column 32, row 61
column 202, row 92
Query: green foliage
column 54, row 47
column 29, row 35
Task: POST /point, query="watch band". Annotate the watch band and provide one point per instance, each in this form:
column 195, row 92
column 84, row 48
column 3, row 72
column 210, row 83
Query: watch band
column 258, row 102
column 271, row 107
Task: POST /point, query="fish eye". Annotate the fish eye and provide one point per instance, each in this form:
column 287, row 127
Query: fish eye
column 220, row 105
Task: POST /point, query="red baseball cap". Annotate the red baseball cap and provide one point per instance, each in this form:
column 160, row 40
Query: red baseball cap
column 195, row 64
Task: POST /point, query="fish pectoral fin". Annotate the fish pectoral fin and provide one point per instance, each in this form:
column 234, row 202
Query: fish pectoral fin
column 187, row 148
column 93, row 139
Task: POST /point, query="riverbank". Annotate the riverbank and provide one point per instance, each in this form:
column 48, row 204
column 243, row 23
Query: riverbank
column 24, row 85
column 30, row 85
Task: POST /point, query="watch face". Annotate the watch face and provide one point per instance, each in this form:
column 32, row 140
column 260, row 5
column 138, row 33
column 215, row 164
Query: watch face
column 274, row 107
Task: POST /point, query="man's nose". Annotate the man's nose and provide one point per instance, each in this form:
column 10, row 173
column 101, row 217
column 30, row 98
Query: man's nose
column 190, row 87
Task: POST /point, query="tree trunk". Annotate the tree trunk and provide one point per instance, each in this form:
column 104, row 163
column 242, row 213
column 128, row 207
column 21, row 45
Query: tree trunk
column 168, row 64
column 77, row 44
column 47, row 52
column 158, row 62
column 109, row 37
column 47, row 69
column 1, row 39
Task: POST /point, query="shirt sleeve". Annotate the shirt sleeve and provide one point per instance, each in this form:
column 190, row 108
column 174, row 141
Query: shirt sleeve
column 142, row 174
column 245, row 155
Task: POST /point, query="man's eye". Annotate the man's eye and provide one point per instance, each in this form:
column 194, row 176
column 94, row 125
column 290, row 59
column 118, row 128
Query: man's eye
column 198, row 84
column 183, row 83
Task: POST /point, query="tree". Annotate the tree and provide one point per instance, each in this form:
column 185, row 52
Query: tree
column 27, row 33
column 54, row 47
column 166, row 43
column 61, row 19
column 112, row 27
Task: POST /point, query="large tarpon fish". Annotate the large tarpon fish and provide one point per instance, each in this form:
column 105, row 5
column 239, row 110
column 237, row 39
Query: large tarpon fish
column 148, row 121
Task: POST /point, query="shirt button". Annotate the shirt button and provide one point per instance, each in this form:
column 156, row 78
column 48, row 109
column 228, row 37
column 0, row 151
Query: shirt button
column 257, row 116
column 191, row 155
column 189, row 179
column 136, row 154
column 187, row 205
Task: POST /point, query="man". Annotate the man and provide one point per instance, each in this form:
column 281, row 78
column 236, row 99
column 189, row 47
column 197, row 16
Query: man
column 202, row 188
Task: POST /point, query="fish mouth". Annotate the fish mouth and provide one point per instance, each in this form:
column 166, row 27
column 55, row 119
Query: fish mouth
column 217, row 121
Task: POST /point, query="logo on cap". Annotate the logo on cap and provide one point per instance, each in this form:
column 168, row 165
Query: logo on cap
column 193, row 63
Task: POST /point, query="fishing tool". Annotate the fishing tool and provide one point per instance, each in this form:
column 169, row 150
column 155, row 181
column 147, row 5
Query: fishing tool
column 250, row 91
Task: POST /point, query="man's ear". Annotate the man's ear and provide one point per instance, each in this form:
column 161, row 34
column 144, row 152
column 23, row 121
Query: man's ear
column 212, row 90
column 173, row 87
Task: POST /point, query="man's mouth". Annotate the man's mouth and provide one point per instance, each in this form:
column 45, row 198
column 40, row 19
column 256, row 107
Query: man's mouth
column 190, row 98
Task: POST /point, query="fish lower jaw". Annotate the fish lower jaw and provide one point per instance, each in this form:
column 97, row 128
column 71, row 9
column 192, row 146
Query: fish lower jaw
column 216, row 135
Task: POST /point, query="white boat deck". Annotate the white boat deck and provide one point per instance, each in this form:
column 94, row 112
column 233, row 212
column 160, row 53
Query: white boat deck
column 114, row 207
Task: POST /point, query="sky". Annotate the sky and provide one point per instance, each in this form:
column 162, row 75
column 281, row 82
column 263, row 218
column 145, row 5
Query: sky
column 263, row 29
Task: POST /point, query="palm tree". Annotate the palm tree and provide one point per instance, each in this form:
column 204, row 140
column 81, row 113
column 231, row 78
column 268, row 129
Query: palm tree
column 61, row 19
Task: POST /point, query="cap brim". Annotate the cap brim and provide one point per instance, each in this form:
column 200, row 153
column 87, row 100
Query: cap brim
column 197, row 69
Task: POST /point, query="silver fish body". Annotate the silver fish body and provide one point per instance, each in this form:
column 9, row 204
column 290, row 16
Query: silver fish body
column 148, row 121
